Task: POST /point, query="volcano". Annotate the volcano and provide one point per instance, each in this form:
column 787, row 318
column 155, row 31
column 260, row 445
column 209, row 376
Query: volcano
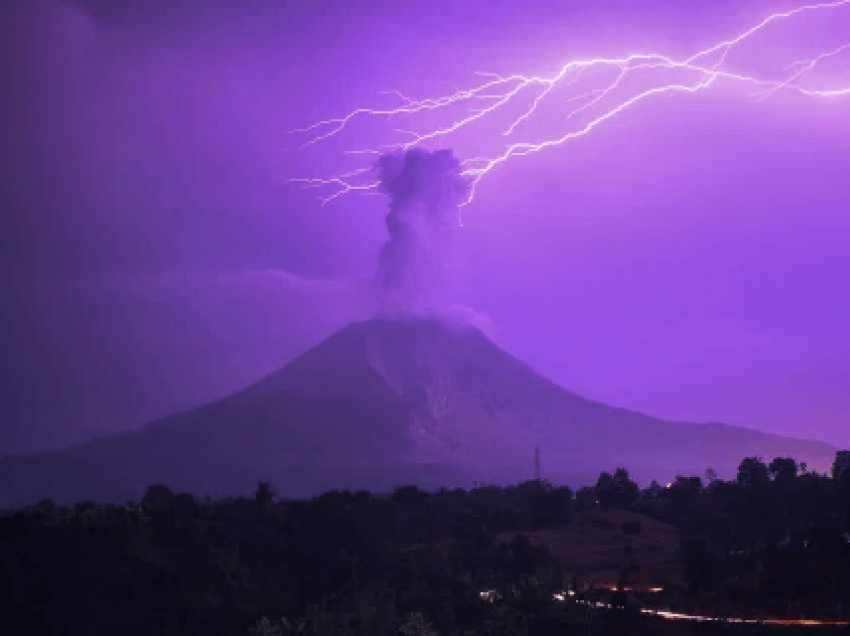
column 384, row 403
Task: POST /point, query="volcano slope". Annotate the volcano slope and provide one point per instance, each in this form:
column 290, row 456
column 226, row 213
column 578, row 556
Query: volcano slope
column 384, row 403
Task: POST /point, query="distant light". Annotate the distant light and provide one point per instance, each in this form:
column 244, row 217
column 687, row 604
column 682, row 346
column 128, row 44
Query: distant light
column 488, row 595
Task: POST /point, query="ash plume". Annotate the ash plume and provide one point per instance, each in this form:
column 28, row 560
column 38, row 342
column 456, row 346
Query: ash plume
column 418, row 268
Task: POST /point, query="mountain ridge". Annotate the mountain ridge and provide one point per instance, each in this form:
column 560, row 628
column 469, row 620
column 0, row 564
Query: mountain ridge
column 415, row 400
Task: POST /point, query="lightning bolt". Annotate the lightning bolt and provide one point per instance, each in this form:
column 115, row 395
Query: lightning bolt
column 604, row 101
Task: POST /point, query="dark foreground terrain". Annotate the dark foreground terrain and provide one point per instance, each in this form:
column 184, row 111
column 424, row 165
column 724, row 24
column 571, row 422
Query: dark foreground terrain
column 774, row 543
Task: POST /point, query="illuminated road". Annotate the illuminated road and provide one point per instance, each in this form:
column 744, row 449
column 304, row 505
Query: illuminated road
column 791, row 622
column 490, row 595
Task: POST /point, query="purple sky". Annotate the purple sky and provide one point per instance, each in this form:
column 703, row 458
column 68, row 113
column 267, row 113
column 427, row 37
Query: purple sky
column 687, row 259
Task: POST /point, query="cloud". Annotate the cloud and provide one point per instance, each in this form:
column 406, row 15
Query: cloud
column 279, row 279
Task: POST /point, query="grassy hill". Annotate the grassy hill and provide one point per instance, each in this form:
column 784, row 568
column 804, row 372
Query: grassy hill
column 596, row 547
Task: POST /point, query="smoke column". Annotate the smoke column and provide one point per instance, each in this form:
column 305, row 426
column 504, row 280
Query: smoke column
column 418, row 266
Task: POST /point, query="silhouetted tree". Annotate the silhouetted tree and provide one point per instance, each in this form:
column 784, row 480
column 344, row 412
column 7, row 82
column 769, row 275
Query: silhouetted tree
column 653, row 491
column 628, row 490
column 264, row 495
column 841, row 475
column 617, row 490
column 185, row 505
column 354, row 563
column 560, row 502
column 158, row 498
column 686, row 486
column 586, row 498
column 606, row 490
column 752, row 471
column 841, row 463
column 783, row 469
column 409, row 495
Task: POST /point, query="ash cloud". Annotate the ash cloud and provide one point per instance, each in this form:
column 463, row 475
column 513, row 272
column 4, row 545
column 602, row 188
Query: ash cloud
column 418, row 264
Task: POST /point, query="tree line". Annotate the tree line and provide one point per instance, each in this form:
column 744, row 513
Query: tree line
column 774, row 541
